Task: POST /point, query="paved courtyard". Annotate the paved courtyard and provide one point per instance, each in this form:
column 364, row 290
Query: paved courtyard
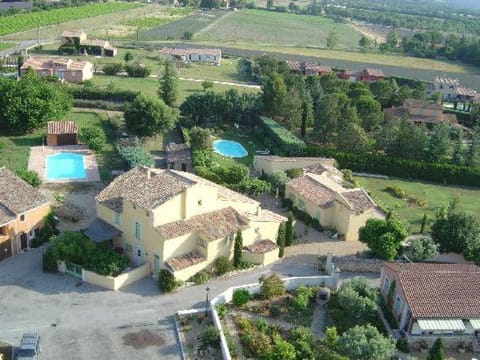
column 80, row 321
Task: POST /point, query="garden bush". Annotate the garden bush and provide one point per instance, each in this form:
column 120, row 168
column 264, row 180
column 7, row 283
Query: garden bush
column 221, row 310
column 166, row 281
column 112, row 69
column 403, row 346
column 240, row 297
column 287, row 203
column 294, row 173
column 302, row 297
column 261, row 325
column 48, row 230
column 134, row 156
column 275, row 311
column 200, row 277
column 211, row 336
column 137, row 70
column 29, row 176
column 94, row 137
column 271, row 286
column 222, row 266
column 96, row 93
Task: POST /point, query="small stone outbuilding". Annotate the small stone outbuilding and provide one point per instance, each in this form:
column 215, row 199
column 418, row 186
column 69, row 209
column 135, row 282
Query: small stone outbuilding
column 178, row 157
column 62, row 133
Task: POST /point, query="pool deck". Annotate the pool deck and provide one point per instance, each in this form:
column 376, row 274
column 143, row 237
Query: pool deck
column 37, row 162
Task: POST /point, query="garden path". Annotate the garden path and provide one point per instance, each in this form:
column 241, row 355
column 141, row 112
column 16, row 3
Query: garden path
column 318, row 321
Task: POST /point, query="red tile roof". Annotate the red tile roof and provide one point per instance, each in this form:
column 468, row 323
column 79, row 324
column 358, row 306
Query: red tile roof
column 212, row 225
column 374, row 72
column 439, row 290
column 262, row 246
column 314, row 191
column 61, row 127
column 185, row 260
column 358, row 199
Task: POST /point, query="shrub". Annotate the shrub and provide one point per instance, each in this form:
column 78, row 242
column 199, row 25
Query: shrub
column 29, row 176
column 106, row 262
column 222, row 265
column 316, row 225
column 271, row 286
column 283, row 138
column 287, row 203
column 294, row 173
column 187, row 35
column 221, row 310
column 258, row 345
column 302, row 296
column 403, row 346
column 166, row 280
column 95, row 93
column 137, row 70
column 112, row 69
column 201, row 277
column 94, row 137
column 275, row 311
column 261, row 325
column 240, row 297
column 134, row 156
column 211, row 336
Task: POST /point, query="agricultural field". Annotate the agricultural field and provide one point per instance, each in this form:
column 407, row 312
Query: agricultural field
column 434, row 195
column 175, row 30
column 21, row 22
column 257, row 27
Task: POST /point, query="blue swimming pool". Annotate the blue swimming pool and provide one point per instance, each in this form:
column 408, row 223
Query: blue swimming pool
column 229, row 148
column 65, row 166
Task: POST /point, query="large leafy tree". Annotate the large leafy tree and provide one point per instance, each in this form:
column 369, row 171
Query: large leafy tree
column 369, row 111
column 200, row 139
column 28, row 104
column 274, row 93
column 148, row 116
column 422, row 249
column 366, row 343
column 168, row 89
column 383, row 237
column 439, row 143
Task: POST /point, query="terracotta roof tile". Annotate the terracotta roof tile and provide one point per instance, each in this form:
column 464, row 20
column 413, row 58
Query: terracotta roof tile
column 212, row 225
column 262, row 246
column 187, row 51
column 61, row 127
column 359, row 199
column 313, row 190
column 440, row 290
column 178, row 152
column 17, row 196
column 185, row 260
column 137, row 187
column 68, row 33
column 41, row 63
column 6, row 215
column 374, row 72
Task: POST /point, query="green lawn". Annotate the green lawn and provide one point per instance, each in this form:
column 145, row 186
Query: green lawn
column 273, row 28
column 250, row 143
column 149, row 86
column 5, row 45
column 15, row 150
column 435, row 195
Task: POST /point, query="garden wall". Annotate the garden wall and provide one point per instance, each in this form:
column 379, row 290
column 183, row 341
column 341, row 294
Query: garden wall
column 115, row 283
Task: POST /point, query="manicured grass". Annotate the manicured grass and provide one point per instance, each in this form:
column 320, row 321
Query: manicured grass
column 249, row 142
column 435, row 195
column 149, row 86
column 266, row 28
column 5, row 45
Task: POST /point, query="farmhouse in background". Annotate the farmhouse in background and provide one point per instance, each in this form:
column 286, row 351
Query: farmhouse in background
column 78, row 42
column 451, row 90
column 64, row 69
column 422, row 112
column 432, row 300
column 182, row 222
column 367, row 75
column 61, row 133
column 22, row 212
column 307, row 68
column 211, row 56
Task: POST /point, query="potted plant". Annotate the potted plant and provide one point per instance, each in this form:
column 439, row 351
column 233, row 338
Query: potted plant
column 462, row 347
column 423, row 346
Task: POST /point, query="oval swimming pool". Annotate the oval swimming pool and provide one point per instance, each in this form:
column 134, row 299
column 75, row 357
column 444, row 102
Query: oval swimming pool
column 230, row 148
column 64, row 166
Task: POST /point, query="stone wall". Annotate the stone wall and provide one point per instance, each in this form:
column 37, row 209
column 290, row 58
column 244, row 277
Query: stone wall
column 355, row 263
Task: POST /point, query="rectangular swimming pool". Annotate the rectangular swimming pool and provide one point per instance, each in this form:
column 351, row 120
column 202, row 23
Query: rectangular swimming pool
column 65, row 166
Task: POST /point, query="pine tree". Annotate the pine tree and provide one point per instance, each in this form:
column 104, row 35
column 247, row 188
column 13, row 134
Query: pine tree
column 168, row 89
column 289, row 230
column 237, row 249
column 424, row 222
column 281, row 240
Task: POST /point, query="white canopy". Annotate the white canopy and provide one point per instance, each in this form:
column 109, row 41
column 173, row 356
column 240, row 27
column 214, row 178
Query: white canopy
column 475, row 324
column 441, row 325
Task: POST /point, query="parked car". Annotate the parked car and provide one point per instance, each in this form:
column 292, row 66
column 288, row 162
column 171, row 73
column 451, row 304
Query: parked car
column 29, row 347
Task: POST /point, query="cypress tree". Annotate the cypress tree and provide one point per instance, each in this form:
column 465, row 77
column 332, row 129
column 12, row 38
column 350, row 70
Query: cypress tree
column 289, row 230
column 424, row 222
column 237, row 249
column 168, row 90
column 437, row 352
column 281, row 239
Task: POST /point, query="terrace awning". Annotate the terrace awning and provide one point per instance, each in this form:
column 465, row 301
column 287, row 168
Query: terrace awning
column 100, row 231
column 475, row 324
column 441, row 325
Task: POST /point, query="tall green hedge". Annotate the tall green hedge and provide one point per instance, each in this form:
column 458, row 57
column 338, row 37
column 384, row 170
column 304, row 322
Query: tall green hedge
column 95, row 93
column 404, row 168
column 282, row 137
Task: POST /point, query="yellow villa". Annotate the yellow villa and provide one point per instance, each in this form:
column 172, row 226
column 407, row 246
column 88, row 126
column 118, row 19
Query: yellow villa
column 321, row 194
column 181, row 222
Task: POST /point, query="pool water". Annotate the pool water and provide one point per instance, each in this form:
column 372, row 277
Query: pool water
column 230, row 148
column 65, row 166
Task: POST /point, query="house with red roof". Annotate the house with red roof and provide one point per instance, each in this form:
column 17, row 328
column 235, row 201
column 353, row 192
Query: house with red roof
column 430, row 300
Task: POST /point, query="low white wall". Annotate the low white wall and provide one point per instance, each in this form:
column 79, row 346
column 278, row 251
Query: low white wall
column 254, row 288
column 115, row 283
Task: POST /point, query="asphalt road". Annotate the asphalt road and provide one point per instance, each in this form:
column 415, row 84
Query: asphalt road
column 81, row 321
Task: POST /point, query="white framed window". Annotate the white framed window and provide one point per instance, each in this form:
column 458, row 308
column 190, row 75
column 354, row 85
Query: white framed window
column 117, row 218
column 138, row 230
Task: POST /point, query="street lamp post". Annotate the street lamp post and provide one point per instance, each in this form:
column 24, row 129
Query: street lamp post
column 207, row 303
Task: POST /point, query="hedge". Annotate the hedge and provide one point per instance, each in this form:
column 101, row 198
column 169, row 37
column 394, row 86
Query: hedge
column 95, row 93
column 403, row 168
column 463, row 117
column 282, row 137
